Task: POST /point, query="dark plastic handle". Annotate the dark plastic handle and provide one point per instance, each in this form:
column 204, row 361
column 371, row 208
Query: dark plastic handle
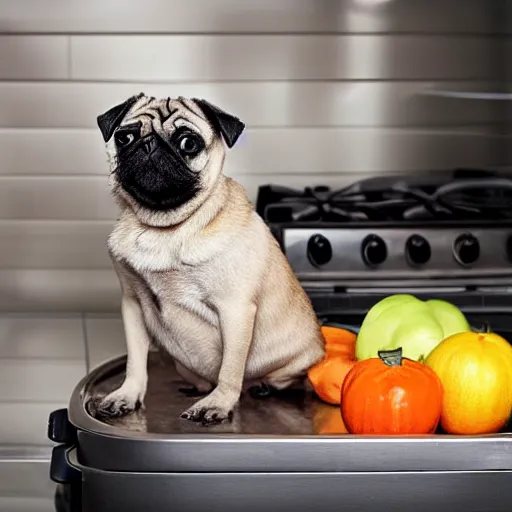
column 61, row 471
column 60, row 430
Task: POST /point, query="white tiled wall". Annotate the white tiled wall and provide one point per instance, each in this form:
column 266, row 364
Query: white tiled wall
column 105, row 338
column 331, row 91
column 26, row 487
column 42, row 358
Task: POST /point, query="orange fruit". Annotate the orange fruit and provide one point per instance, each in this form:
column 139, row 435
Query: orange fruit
column 476, row 372
column 327, row 377
column 339, row 341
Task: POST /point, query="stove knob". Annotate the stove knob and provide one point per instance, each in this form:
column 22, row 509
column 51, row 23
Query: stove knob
column 374, row 250
column 417, row 250
column 466, row 249
column 319, row 250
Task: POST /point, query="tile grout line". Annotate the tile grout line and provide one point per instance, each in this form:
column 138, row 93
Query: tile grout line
column 69, row 57
column 86, row 344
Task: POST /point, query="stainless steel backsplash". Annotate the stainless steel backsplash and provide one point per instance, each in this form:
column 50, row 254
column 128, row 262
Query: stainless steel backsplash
column 331, row 90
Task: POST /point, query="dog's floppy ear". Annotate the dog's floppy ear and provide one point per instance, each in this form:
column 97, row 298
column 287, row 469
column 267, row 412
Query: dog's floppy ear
column 111, row 119
column 228, row 125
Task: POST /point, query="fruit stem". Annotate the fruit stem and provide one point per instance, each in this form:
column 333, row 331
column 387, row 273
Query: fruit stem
column 391, row 357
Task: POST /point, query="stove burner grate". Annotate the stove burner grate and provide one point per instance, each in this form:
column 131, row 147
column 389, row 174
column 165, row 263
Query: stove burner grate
column 484, row 197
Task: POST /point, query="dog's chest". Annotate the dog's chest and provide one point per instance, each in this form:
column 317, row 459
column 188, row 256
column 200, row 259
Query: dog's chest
column 180, row 292
column 165, row 283
column 146, row 250
column 161, row 250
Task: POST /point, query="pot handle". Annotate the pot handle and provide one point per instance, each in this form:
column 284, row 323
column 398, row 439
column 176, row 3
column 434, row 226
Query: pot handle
column 64, row 467
column 60, row 430
column 72, row 459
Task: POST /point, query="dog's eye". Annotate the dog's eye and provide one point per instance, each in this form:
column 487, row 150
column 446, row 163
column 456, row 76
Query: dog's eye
column 124, row 139
column 190, row 145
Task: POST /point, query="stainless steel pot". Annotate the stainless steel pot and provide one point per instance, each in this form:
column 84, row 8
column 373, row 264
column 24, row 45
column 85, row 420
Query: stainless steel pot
column 272, row 457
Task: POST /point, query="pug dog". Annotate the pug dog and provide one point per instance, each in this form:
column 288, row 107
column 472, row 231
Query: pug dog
column 200, row 273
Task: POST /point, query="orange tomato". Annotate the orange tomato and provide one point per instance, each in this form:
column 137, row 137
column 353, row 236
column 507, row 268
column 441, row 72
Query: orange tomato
column 327, row 376
column 476, row 372
column 391, row 395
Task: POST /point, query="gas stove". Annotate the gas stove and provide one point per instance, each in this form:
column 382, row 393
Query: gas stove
column 449, row 230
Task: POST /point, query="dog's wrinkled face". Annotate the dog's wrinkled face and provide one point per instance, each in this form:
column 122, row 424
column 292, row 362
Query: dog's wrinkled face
column 166, row 155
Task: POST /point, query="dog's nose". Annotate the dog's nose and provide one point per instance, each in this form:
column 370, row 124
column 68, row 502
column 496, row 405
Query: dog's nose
column 150, row 145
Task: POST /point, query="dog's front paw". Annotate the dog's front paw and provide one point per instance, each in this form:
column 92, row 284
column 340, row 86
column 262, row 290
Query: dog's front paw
column 116, row 404
column 212, row 409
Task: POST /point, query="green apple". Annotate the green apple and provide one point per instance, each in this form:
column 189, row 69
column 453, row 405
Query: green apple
column 405, row 321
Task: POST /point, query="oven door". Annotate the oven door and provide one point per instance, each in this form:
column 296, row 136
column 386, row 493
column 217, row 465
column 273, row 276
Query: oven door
column 484, row 308
column 500, row 323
